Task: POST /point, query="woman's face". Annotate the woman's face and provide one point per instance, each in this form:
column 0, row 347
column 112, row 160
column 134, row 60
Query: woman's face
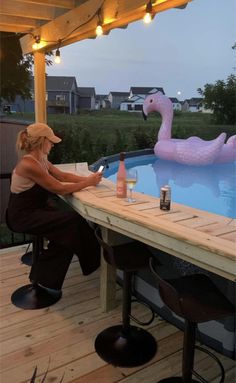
column 47, row 146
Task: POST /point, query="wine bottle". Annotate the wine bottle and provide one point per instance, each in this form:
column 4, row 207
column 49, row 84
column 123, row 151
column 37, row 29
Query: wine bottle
column 121, row 186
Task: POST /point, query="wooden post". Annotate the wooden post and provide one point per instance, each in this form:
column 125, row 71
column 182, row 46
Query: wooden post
column 40, row 87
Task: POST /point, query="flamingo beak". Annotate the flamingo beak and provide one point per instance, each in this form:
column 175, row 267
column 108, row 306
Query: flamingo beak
column 144, row 116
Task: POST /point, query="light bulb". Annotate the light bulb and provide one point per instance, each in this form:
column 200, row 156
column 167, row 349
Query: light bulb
column 36, row 44
column 57, row 59
column 99, row 30
column 147, row 18
column 148, row 15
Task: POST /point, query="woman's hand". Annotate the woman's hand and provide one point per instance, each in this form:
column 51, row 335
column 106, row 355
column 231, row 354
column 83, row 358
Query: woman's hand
column 94, row 178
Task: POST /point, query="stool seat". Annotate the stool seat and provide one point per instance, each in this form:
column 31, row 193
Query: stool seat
column 199, row 299
column 196, row 299
column 125, row 345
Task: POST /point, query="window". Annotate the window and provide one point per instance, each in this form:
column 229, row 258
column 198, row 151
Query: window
column 60, row 97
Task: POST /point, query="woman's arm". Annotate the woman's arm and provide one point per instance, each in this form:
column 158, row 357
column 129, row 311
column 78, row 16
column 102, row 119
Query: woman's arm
column 31, row 169
column 63, row 176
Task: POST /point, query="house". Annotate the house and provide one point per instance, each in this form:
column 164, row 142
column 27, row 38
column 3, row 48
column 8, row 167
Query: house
column 194, row 104
column 61, row 97
column 144, row 91
column 115, row 98
column 87, row 97
column 137, row 96
column 176, row 103
column 132, row 104
column 102, row 102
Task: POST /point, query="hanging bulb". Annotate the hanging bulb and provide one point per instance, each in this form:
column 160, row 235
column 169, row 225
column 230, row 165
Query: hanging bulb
column 57, row 59
column 99, row 30
column 148, row 15
column 36, row 44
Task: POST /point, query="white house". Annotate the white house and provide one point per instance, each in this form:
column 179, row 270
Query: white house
column 176, row 104
column 136, row 98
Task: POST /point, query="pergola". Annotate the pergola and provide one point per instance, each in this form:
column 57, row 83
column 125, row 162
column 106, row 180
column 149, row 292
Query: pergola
column 57, row 23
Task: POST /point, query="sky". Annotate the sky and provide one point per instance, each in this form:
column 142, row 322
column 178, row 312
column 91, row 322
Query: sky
column 181, row 51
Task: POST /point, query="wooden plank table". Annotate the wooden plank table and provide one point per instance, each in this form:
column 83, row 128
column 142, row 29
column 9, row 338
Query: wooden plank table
column 204, row 239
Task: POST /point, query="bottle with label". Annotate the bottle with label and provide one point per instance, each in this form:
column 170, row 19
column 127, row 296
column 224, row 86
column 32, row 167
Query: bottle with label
column 121, row 187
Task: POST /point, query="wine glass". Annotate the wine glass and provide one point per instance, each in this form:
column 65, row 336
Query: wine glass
column 131, row 180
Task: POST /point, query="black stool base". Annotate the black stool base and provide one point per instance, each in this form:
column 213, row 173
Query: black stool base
column 133, row 349
column 176, row 379
column 27, row 258
column 31, row 297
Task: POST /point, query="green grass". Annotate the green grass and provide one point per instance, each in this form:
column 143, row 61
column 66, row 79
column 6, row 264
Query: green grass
column 93, row 134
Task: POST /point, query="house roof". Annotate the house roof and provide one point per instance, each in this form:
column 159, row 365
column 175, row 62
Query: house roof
column 174, row 99
column 86, row 91
column 60, row 83
column 146, row 90
column 120, row 94
column 68, row 21
column 194, row 101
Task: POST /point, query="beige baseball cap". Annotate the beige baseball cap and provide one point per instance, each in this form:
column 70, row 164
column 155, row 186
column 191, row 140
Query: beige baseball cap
column 39, row 129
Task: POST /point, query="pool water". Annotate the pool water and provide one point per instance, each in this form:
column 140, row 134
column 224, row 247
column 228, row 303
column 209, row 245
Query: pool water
column 211, row 188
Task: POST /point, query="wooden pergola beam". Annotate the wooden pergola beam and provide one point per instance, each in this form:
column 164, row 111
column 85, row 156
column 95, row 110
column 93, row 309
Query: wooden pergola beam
column 80, row 23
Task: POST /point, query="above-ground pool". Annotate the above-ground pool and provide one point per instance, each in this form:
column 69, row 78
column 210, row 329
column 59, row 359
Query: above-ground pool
column 211, row 188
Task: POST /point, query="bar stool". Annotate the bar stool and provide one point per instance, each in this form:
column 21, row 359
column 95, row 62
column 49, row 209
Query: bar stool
column 125, row 345
column 27, row 258
column 33, row 296
column 196, row 299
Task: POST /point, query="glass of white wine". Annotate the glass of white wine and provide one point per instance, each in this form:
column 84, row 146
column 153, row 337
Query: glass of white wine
column 131, row 180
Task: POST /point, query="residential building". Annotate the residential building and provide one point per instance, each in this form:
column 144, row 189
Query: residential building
column 102, row 102
column 62, row 96
column 193, row 104
column 115, row 98
column 176, row 103
column 87, row 97
column 137, row 96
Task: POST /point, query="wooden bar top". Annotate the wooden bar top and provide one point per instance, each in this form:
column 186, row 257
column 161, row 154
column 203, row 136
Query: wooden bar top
column 204, row 239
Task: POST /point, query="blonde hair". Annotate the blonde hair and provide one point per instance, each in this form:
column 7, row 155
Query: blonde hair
column 26, row 143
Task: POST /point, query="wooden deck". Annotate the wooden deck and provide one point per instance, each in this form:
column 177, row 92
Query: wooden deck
column 62, row 336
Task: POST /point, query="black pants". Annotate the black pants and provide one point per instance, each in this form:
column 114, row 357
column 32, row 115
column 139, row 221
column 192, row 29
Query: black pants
column 68, row 233
column 36, row 211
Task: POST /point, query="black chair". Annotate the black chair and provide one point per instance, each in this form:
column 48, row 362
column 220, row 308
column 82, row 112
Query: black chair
column 33, row 296
column 196, row 299
column 125, row 345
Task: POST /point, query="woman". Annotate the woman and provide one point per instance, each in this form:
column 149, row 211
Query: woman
column 34, row 181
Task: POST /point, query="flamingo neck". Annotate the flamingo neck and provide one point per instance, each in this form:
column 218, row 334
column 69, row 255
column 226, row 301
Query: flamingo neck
column 166, row 125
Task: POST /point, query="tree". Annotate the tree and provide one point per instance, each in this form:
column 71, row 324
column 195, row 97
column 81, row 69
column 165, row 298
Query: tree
column 15, row 69
column 221, row 98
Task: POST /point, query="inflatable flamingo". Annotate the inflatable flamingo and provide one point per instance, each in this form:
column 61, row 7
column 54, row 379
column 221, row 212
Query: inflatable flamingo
column 193, row 150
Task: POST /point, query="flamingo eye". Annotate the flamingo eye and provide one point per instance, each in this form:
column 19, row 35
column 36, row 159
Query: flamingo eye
column 151, row 100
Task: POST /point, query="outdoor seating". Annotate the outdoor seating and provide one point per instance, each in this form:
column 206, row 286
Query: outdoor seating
column 125, row 345
column 33, row 296
column 196, row 299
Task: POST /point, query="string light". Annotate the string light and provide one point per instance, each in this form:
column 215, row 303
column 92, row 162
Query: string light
column 57, row 59
column 148, row 15
column 99, row 29
column 36, row 43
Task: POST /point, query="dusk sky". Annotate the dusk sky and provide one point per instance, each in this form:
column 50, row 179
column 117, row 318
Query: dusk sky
column 181, row 50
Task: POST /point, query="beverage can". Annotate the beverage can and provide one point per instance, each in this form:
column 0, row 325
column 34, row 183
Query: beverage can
column 165, row 197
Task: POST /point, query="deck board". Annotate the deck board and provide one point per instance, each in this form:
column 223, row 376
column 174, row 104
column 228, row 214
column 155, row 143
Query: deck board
column 62, row 336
